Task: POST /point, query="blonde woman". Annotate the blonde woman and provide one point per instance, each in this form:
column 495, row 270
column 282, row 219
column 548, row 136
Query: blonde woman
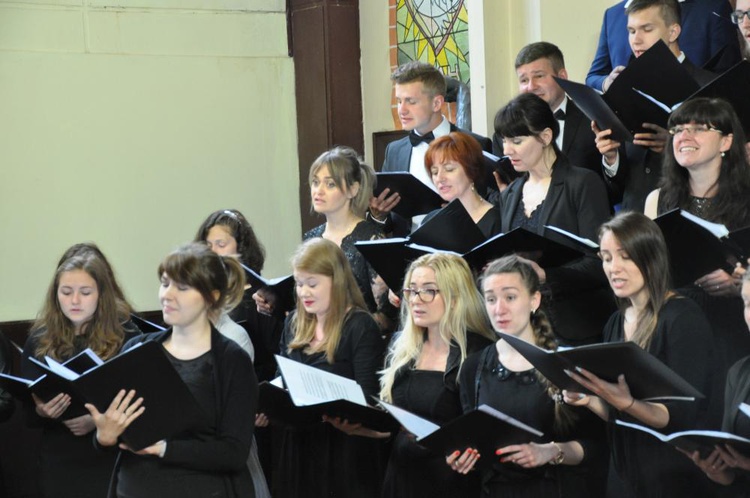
column 444, row 321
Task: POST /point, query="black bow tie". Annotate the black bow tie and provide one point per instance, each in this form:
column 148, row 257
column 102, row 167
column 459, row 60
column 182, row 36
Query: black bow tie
column 418, row 139
column 560, row 115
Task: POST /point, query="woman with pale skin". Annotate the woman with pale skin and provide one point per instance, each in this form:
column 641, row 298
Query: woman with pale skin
column 502, row 378
column 443, row 322
column 725, row 465
column 84, row 308
column 340, row 189
column 454, row 162
column 331, row 330
column 674, row 330
column 553, row 192
column 706, row 172
column 209, row 459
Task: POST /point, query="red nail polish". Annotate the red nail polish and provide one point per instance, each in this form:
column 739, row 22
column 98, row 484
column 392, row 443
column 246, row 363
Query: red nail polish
column 499, row 452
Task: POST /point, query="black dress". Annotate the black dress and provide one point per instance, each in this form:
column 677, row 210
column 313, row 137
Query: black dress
column 485, row 381
column 646, row 466
column 322, row 461
column 413, row 471
column 363, row 273
column 738, row 391
column 724, row 313
column 66, row 461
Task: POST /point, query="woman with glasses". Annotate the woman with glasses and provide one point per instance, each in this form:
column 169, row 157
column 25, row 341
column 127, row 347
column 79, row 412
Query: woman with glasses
column 673, row 329
column 499, row 376
column 706, row 173
column 443, row 322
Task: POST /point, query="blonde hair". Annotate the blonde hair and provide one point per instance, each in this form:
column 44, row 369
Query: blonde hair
column 346, row 170
column 323, row 257
column 464, row 313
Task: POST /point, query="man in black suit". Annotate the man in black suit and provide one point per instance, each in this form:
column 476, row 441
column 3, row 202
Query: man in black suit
column 635, row 169
column 420, row 93
column 536, row 64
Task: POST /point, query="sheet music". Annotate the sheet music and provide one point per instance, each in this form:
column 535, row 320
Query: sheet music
column 745, row 408
column 587, row 242
column 60, row 369
column 717, row 229
column 309, row 386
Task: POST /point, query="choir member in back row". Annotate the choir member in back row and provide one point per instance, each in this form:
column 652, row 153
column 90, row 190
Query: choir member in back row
column 553, row 192
column 706, row 173
column 84, row 308
column 209, row 459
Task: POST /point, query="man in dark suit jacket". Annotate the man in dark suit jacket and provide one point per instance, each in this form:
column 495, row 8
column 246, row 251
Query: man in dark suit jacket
column 635, row 169
column 536, row 64
column 703, row 36
column 420, row 93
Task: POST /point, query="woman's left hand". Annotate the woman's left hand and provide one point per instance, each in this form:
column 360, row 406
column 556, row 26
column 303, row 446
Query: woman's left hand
column 528, row 455
column 354, row 429
column 713, row 466
column 617, row 395
column 720, row 283
column 156, row 449
column 80, row 426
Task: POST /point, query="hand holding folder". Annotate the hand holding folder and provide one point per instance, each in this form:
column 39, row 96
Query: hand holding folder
column 484, row 429
column 313, row 393
column 646, row 376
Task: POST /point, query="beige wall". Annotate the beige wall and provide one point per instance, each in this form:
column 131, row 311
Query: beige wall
column 498, row 29
column 127, row 126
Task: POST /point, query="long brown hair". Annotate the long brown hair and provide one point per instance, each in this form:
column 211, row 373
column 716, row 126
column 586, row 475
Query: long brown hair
column 103, row 332
column 643, row 242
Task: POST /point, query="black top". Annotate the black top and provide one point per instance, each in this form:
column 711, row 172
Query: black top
column 738, row 391
column 62, row 454
column 141, row 477
column 523, row 396
column 215, row 450
column 361, row 269
column 322, row 461
column 413, row 471
column 648, row 467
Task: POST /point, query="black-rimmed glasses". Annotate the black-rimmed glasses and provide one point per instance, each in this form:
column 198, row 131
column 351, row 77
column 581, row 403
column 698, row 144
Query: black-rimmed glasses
column 737, row 16
column 424, row 295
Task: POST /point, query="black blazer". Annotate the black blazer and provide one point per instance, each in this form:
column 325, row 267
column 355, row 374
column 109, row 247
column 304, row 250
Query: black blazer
column 577, row 296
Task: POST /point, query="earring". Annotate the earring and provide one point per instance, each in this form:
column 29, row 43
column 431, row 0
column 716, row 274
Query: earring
column 533, row 311
column 723, row 154
column 472, row 188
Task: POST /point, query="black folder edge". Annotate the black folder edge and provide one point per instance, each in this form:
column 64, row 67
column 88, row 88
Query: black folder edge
column 278, row 406
column 693, row 250
column 450, row 229
column 282, row 287
column 146, row 325
column 673, row 86
column 593, row 105
column 519, row 240
column 650, row 380
column 694, row 439
column 728, row 86
column 416, row 197
column 479, row 430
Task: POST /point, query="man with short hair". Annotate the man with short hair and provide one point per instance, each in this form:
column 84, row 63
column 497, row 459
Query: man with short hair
column 635, row 168
column 536, row 66
column 705, row 32
column 420, row 93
